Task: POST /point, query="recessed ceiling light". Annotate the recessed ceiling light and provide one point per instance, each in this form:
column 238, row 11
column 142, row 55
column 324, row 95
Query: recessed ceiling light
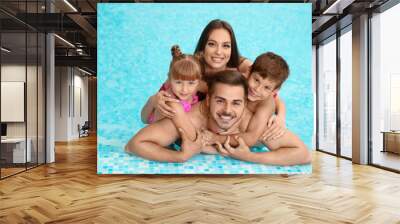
column 71, row 6
column 337, row 7
column 84, row 71
column 64, row 40
column 5, row 50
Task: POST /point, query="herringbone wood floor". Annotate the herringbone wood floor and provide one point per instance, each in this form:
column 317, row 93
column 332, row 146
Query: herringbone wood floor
column 70, row 191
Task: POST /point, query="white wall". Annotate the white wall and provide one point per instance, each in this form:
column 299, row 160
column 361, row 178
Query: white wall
column 12, row 101
column 70, row 83
column 79, row 117
column 15, row 72
column 61, row 103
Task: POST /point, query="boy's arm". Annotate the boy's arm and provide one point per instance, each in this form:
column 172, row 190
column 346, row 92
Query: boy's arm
column 286, row 151
column 276, row 125
column 257, row 123
column 148, row 108
column 280, row 109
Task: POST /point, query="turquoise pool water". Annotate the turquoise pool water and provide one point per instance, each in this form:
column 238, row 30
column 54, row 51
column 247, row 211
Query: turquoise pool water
column 134, row 43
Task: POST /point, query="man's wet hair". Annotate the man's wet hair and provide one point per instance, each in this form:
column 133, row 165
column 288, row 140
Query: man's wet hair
column 228, row 77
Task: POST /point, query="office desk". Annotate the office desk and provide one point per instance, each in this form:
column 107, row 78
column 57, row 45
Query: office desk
column 16, row 147
column 391, row 141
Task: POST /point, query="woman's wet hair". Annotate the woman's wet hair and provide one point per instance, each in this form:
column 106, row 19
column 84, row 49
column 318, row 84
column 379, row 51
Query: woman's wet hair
column 183, row 66
column 219, row 24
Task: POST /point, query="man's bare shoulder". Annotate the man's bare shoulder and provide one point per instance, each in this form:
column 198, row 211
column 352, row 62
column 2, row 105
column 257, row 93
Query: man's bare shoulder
column 164, row 123
column 161, row 128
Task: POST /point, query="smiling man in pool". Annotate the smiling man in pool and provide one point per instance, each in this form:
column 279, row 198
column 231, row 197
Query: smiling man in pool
column 224, row 110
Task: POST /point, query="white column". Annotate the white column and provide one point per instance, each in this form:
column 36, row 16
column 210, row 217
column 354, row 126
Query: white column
column 50, row 93
column 50, row 100
column 360, row 90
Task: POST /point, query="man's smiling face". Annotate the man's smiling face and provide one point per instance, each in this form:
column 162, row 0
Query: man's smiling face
column 227, row 104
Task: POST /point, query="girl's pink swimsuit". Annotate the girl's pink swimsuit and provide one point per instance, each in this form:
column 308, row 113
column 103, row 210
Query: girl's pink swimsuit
column 187, row 106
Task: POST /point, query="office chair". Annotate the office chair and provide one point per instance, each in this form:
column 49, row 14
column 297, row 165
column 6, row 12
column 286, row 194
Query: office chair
column 84, row 130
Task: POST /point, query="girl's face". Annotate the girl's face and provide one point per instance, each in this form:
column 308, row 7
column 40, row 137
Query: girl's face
column 184, row 89
column 217, row 51
column 260, row 88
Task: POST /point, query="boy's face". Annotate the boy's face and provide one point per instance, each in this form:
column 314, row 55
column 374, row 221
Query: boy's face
column 260, row 88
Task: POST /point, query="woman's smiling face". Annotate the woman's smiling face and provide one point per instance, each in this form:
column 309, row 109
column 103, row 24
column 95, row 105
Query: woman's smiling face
column 217, row 51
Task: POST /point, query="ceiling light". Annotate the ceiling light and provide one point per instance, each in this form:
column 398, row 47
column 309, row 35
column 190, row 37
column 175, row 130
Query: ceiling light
column 70, row 5
column 84, row 71
column 337, row 7
column 64, row 40
column 5, row 49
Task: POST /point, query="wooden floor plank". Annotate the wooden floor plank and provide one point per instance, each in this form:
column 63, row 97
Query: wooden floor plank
column 70, row 191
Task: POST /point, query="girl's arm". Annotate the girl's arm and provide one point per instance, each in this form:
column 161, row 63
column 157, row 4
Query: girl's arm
column 158, row 102
column 181, row 120
column 148, row 108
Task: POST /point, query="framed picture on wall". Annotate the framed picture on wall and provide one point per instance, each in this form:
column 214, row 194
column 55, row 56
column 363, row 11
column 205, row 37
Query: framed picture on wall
column 151, row 56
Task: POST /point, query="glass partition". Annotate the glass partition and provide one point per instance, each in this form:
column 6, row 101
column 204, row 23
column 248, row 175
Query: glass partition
column 41, row 87
column 13, row 105
column 385, row 89
column 32, row 95
column 346, row 93
column 22, row 87
column 327, row 95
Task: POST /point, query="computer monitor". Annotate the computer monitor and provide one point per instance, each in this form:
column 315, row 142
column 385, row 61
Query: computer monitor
column 3, row 129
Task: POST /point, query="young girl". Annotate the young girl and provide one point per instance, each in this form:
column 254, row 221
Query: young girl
column 183, row 79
